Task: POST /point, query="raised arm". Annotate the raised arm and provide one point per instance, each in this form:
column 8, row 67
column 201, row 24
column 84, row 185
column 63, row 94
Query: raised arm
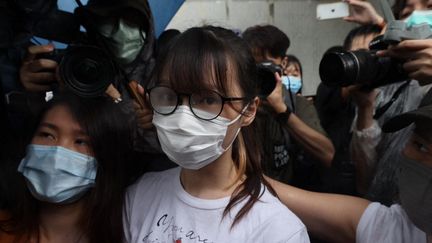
column 366, row 136
column 330, row 217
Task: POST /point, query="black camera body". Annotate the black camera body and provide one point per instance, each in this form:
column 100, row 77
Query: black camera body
column 85, row 70
column 361, row 67
column 266, row 77
column 364, row 66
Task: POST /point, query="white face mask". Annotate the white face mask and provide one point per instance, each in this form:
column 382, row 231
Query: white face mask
column 415, row 192
column 190, row 142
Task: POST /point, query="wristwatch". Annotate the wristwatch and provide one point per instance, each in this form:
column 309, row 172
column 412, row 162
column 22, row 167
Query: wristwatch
column 284, row 116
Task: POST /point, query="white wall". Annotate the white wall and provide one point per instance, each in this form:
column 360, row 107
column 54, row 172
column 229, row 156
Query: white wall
column 309, row 37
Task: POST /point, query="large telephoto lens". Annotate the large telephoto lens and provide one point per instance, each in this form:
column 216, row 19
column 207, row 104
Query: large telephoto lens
column 345, row 68
column 87, row 71
column 359, row 67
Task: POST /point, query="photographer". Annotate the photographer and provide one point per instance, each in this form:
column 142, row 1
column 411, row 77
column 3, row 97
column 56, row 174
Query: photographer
column 124, row 30
column 418, row 53
column 377, row 156
column 284, row 131
column 336, row 111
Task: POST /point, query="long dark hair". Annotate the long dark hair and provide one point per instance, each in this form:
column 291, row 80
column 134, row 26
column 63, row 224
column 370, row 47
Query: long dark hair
column 203, row 58
column 110, row 141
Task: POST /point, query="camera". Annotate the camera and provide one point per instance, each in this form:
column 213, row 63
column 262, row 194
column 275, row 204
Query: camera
column 86, row 70
column 365, row 67
column 361, row 67
column 266, row 77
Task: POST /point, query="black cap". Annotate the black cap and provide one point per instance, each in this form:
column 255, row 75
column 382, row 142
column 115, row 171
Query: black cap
column 423, row 113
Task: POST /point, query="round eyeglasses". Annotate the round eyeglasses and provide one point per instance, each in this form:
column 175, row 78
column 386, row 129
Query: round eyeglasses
column 206, row 105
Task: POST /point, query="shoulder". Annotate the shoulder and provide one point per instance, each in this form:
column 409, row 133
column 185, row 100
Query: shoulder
column 154, row 179
column 8, row 237
column 276, row 222
column 150, row 184
column 149, row 191
column 380, row 223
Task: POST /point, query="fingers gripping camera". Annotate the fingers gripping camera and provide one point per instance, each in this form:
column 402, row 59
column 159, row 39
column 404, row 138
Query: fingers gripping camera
column 85, row 70
column 364, row 66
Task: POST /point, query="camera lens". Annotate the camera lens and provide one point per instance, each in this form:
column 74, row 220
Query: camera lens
column 339, row 69
column 359, row 67
column 266, row 77
column 86, row 70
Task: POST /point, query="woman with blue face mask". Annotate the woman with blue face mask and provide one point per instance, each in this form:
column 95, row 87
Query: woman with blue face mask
column 204, row 101
column 338, row 218
column 73, row 175
column 294, row 73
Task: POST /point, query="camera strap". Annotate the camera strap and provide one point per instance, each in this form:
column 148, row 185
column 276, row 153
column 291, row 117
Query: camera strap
column 380, row 111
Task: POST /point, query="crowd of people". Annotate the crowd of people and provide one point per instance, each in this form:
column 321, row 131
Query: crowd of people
column 204, row 136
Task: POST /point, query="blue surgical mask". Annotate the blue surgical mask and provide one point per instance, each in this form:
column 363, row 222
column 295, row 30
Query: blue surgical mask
column 292, row 83
column 419, row 17
column 56, row 174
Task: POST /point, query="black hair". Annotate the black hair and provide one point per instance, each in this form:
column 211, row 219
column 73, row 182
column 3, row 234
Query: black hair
column 165, row 38
column 399, row 6
column 334, row 49
column 209, row 58
column 109, row 134
column 266, row 40
column 361, row 31
column 294, row 60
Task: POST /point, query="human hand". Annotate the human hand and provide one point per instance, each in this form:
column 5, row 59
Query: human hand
column 363, row 98
column 38, row 74
column 418, row 58
column 275, row 98
column 365, row 101
column 362, row 12
column 143, row 111
column 113, row 93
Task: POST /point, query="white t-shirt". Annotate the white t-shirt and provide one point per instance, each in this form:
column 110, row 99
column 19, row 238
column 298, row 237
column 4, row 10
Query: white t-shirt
column 387, row 225
column 158, row 210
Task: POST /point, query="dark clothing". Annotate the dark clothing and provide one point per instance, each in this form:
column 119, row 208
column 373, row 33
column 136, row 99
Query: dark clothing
column 283, row 158
column 336, row 115
column 277, row 145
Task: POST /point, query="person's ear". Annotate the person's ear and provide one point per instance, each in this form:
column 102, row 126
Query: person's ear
column 284, row 63
column 250, row 112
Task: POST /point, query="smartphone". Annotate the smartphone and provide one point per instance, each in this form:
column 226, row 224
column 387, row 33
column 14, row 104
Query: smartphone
column 332, row 10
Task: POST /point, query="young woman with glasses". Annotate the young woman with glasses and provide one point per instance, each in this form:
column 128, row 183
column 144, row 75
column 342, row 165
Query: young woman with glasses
column 204, row 102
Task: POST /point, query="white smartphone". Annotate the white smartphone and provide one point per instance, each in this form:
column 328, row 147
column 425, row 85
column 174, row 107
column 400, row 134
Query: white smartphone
column 332, row 10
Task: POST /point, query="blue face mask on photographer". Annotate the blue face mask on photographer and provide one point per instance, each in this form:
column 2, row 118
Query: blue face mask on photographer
column 419, row 17
column 56, row 174
column 292, row 83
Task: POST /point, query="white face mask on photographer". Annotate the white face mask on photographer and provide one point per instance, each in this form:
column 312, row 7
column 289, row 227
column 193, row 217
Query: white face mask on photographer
column 190, row 142
column 415, row 192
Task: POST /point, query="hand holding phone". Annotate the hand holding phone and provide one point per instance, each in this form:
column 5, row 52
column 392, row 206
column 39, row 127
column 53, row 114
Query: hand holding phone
column 332, row 10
